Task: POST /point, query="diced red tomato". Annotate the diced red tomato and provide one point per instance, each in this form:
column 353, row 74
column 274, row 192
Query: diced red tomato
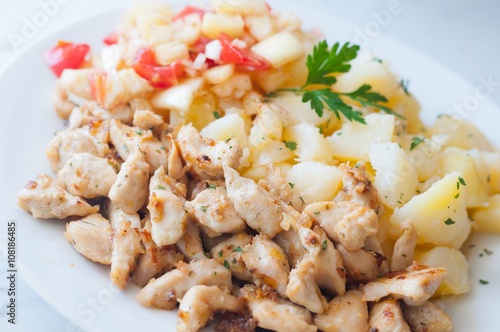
column 97, row 82
column 111, row 39
column 189, row 10
column 199, row 46
column 239, row 56
column 145, row 65
column 66, row 55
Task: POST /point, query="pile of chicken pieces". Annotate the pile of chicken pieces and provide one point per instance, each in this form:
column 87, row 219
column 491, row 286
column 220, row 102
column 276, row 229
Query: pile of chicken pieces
column 167, row 209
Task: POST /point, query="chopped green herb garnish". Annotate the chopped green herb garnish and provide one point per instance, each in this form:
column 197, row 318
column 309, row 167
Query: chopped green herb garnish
column 483, row 282
column 460, row 181
column 139, row 132
column 237, row 249
column 404, row 85
column 377, row 60
column 416, row 141
column 226, row 264
column 488, row 252
column 220, row 253
column 160, row 187
column 217, row 115
column 324, row 245
column 211, row 186
column 291, row 145
column 449, row 221
column 203, row 208
column 291, row 184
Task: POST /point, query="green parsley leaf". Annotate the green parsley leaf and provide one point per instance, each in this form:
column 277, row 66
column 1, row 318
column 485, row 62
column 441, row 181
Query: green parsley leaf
column 449, row 221
column 226, row 264
column 322, row 63
column 318, row 99
column 462, row 181
column 217, row 115
column 139, row 132
column 203, row 208
column 291, row 145
column 324, row 245
column 291, row 184
column 483, row 282
column 160, row 187
column 210, row 186
column 415, row 141
column 220, row 253
column 368, row 98
column 404, row 85
column 237, row 249
column 377, row 60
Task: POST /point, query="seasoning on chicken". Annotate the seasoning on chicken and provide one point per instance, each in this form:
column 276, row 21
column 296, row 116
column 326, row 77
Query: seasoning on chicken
column 346, row 313
column 163, row 292
column 91, row 236
column 281, row 188
column 402, row 256
column 205, row 157
column 87, row 176
column 190, row 244
column 253, row 203
column 43, row 198
column 231, row 251
column 166, row 206
column 386, row 316
column 360, row 265
column 414, row 285
column 427, row 318
column 200, row 303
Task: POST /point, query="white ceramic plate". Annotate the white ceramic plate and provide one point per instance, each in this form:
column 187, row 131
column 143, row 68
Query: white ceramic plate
column 80, row 289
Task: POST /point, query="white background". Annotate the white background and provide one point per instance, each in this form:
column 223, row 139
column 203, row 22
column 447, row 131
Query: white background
column 462, row 35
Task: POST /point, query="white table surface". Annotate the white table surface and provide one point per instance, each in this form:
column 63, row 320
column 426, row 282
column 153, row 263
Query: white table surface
column 462, row 35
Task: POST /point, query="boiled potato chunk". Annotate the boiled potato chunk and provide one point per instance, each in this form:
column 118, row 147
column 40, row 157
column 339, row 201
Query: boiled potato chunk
column 311, row 145
column 219, row 74
column 457, row 280
column 230, row 125
column 407, row 106
column 279, row 49
column 395, row 178
column 315, row 181
column 242, row 7
column 459, row 160
column 179, row 97
column 439, row 214
column 272, row 152
column 260, row 27
column 488, row 218
column 215, row 24
column 354, row 140
column 424, row 156
column 365, row 70
column 461, row 133
column 488, row 168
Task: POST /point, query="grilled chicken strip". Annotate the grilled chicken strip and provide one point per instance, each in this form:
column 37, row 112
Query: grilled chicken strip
column 91, row 236
column 231, row 251
column 427, row 318
column 253, row 203
column 360, row 265
column 274, row 313
column 87, row 176
column 386, row 316
column 414, row 285
column 130, row 190
column 347, row 223
column 281, row 188
column 190, row 244
column 402, row 256
column 163, row 292
column 204, row 156
column 346, row 313
column 155, row 259
column 200, row 303
column 43, row 198
column 289, row 241
column 126, row 139
column 213, row 209
column 357, row 188
column 320, row 267
column 166, row 206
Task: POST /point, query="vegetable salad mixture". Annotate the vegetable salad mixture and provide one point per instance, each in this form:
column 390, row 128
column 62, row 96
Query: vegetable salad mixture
column 228, row 162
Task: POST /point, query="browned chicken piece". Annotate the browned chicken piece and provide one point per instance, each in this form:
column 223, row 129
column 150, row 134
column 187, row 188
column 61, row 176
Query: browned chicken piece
column 190, row 244
column 87, row 176
column 253, row 203
column 130, row 190
column 213, row 209
column 346, row 313
column 126, row 139
column 205, row 157
column 386, row 316
column 155, row 260
column 176, row 169
column 68, row 142
column 414, row 285
column 347, row 223
column 43, row 198
column 402, row 256
column 231, row 251
column 147, row 120
column 91, row 236
column 199, row 304
column 267, row 262
column 289, row 241
column 62, row 105
column 166, row 207
column 117, row 217
column 360, row 265
column 126, row 249
column 427, row 318
column 320, row 267
column 281, row 188
column 274, row 313
column 357, row 188
column 163, row 292
column 374, row 246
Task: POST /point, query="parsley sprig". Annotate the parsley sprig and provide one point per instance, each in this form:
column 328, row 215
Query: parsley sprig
column 322, row 64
